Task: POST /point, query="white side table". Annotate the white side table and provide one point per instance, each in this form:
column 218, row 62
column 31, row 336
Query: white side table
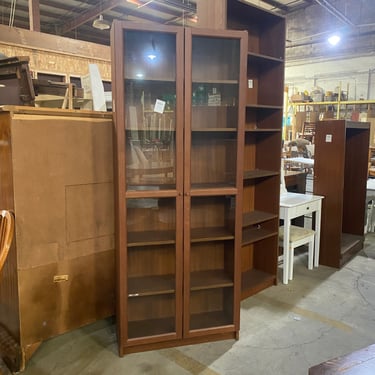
column 293, row 205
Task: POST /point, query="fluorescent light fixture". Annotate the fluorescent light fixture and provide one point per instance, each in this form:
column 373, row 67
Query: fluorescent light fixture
column 334, row 40
column 101, row 24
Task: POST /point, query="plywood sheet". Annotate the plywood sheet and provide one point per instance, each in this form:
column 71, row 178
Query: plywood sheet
column 63, row 176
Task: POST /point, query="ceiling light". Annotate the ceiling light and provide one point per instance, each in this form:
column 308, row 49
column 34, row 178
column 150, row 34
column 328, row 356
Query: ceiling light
column 334, row 39
column 101, row 24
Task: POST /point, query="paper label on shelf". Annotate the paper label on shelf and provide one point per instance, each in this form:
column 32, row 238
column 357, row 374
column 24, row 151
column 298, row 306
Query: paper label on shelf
column 250, row 83
column 159, row 106
column 328, row 138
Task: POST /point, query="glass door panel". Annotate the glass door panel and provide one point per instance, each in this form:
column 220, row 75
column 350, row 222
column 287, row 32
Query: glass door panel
column 151, row 259
column 211, row 262
column 214, row 111
column 150, row 109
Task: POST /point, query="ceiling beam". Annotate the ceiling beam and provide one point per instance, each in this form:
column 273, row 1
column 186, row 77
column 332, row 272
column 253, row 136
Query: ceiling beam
column 34, row 15
column 191, row 8
column 276, row 4
column 90, row 14
column 335, row 12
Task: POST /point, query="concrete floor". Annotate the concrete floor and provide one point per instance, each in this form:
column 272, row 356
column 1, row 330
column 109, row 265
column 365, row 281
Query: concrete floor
column 285, row 329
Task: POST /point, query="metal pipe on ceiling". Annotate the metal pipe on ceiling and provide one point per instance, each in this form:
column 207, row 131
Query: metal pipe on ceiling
column 335, row 12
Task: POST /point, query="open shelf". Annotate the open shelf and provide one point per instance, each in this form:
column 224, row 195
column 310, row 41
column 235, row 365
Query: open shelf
column 260, row 58
column 256, row 217
column 258, row 173
column 350, row 245
column 266, row 29
column 253, row 281
column 254, row 234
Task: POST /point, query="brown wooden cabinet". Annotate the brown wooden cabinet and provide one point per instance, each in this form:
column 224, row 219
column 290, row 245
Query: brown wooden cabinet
column 56, row 176
column 340, row 175
column 262, row 142
column 179, row 117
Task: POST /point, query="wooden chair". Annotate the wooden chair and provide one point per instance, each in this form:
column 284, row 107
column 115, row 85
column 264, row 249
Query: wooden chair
column 6, row 235
column 308, row 131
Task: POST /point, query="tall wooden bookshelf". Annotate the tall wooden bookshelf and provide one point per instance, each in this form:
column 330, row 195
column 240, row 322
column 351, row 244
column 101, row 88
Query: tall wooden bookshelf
column 262, row 142
column 179, row 119
column 340, row 175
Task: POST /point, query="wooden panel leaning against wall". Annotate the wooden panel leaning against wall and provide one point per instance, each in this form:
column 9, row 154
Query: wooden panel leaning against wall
column 55, row 54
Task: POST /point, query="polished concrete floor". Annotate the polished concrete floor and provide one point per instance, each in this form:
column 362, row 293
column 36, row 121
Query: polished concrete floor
column 286, row 329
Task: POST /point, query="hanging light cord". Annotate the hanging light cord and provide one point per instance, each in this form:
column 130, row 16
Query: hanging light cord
column 12, row 12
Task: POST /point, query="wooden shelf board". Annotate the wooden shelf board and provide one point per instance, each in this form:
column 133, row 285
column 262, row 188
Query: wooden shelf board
column 253, row 281
column 258, row 173
column 210, row 320
column 210, row 279
column 131, row 172
column 151, row 285
column 159, row 191
column 220, row 188
column 260, row 130
column 263, row 106
column 211, row 234
column 350, row 245
column 151, row 237
column 144, row 80
column 215, row 81
column 262, row 57
column 256, row 217
column 215, row 130
column 251, row 235
column 151, row 327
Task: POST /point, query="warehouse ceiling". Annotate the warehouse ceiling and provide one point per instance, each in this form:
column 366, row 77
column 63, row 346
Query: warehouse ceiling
column 74, row 18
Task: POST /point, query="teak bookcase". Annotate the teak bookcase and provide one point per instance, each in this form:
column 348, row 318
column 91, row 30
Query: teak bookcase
column 179, row 122
column 340, row 175
column 262, row 142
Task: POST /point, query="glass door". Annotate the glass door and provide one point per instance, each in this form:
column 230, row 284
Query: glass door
column 149, row 134
column 213, row 122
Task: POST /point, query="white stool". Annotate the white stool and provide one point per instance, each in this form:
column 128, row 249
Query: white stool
column 298, row 236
